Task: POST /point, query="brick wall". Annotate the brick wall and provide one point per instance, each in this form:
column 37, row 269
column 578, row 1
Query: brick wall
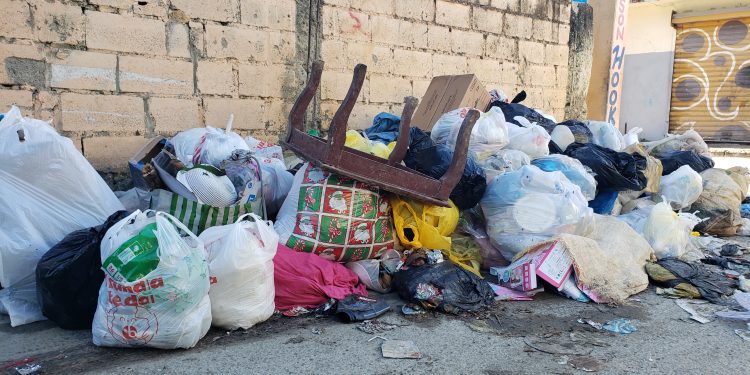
column 111, row 73
column 508, row 44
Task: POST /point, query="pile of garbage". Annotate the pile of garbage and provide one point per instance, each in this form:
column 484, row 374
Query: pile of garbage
column 221, row 230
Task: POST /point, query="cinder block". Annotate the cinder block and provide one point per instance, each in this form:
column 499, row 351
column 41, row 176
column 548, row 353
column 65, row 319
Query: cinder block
column 216, row 10
column 109, row 153
column 511, row 5
column 334, row 85
column 542, row 30
column 236, row 42
column 172, row 115
column 117, row 32
column 556, row 54
column 370, row 6
column 439, row 38
column 385, row 30
column 509, row 75
column 178, row 40
column 412, row 63
column 248, row 113
column 197, row 38
column 265, row 81
column 532, row 52
column 119, row 113
column 500, row 47
column 216, row 78
column 282, row 47
column 452, row 14
column 276, row 15
column 562, row 77
column 13, row 58
column 20, row 98
column 517, row 26
column 487, row 20
column 120, row 4
column 467, row 42
column 352, row 25
column 156, row 8
column 563, row 34
column 16, row 20
column 413, row 34
column 423, row 10
column 74, row 69
column 487, row 70
column 58, row 23
column 145, row 74
column 387, row 89
column 448, row 65
column 540, row 75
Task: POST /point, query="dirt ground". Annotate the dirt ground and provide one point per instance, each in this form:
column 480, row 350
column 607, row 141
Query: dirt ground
column 537, row 337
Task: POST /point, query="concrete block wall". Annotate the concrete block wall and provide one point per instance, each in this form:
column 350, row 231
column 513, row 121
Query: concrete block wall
column 508, row 44
column 111, row 73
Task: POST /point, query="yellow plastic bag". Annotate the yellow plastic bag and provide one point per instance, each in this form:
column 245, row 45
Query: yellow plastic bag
column 425, row 226
column 358, row 142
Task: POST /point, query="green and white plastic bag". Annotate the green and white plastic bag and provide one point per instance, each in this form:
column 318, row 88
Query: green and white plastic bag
column 197, row 216
column 155, row 290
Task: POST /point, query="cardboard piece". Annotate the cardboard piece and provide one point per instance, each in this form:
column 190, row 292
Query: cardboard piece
column 447, row 93
column 552, row 263
column 139, row 160
column 400, row 349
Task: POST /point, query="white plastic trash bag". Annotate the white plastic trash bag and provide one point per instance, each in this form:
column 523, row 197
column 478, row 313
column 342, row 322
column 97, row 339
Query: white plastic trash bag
column 262, row 149
column 562, row 136
column 668, row 232
column 207, row 145
column 606, row 135
column 572, row 169
column 489, row 133
column 502, row 161
column 689, row 140
column 681, row 188
column 240, row 261
column 47, row 190
column 155, row 290
column 277, row 182
column 533, row 140
column 533, row 202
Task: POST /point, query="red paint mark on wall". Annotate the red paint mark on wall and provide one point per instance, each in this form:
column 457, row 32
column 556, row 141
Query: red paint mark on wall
column 357, row 26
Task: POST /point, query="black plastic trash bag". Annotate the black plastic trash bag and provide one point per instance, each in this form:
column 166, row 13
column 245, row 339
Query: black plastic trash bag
column 612, row 170
column 512, row 110
column 444, row 286
column 691, row 280
column 673, row 160
column 580, row 131
column 69, row 275
column 426, row 157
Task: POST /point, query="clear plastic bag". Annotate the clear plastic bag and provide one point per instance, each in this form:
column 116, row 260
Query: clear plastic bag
column 489, row 133
column 48, row 190
column 502, row 161
column 240, row 261
column 155, row 290
column 689, row 140
column 531, row 201
column 572, row 169
column 207, row 145
column 606, row 135
column 532, row 139
column 681, row 188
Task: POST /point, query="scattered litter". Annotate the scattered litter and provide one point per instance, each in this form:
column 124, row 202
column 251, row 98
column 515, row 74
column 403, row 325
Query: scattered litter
column 507, row 294
column 377, row 337
column 317, row 331
column 743, row 299
column 374, row 326
column 29, row 369
column 400, row 349
column 620, row 325
column 412, row 309
column 586, row 363
column 592, row 323
column 685, row 305
column 743, row 333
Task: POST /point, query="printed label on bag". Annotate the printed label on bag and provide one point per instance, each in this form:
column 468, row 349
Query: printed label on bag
column 135, row 258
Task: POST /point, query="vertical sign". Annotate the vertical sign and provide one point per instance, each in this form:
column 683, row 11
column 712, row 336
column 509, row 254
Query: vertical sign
column 614, row 93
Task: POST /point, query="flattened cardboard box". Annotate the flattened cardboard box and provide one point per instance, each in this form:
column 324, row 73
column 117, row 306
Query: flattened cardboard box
column 447, row 93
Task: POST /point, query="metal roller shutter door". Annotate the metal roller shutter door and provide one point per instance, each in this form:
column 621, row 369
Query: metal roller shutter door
column 711, row 79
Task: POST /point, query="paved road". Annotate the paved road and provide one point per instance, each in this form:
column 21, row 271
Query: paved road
column 495, row 342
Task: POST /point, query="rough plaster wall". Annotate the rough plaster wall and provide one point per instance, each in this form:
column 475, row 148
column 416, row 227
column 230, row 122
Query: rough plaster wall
column 112, row 73
column 579, row 61
column 508, row 44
